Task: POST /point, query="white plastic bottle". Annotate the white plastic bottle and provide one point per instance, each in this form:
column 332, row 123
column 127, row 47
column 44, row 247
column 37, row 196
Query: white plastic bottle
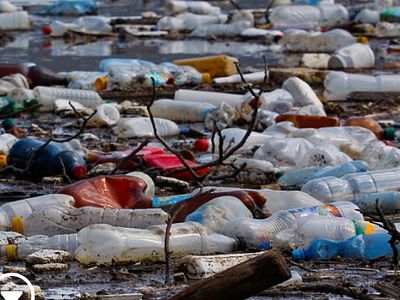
column 255, row 77
column 216, row 213
column 290, row 15
column 106, row 115
column 48, row 95
column 208, row 97
column 354, row 56
column 142, row 127
column 10, row 212
column 104, row 243
column 10, row 237
column 302, row 93
column 378, row 156
column 197, row 7
column 6, row 142
column 66, row 242
column 232, row 29
column 189, row 22
column 6, row 7
column 181, row 111
column 55, row 220
column 339, row 84
column 18, row 20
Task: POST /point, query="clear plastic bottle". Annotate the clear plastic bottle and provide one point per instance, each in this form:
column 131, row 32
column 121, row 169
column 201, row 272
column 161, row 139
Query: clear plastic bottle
column 181, row 111
column 295, row 179
column 214, row 98
column 66, row 242
column 189, row 22
column 216, row 213
column 9, row 212
column 54, row 220
column 354, row 56
column 104, row 243
column 196, row 7
column 339, row 84
column 48, row 95
column 232, row 29
column 378, row 155
column 10, row 237
column 92, row 24
column 389, row 202
column 142, row 127
column 323, row 155
column 84, row 80
column 328, row 189
column 106, row 115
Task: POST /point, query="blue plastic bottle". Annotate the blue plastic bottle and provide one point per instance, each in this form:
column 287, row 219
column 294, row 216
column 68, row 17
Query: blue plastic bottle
column 361, row 247
column 355, row 166
column 389, row 202
column 49, row 161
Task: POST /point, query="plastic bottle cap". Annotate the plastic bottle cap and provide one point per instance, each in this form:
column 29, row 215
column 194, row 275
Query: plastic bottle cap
column 46, row 29
column 206, row 78
column 17, row 224
column 298, row 254
column 101, row 83
column 11, row 252
column 150, row 189
column 79, row 172
column 201, row 145
column 389, row 133
column 363, row 40
column 8, row 123
column 3, row 161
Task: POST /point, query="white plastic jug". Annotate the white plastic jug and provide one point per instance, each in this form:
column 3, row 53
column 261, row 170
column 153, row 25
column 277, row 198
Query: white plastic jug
column 106, row 115
column 104, row 243
column 353, row 56
column 142, row 127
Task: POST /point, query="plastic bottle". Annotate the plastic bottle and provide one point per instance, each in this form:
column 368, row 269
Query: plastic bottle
column 323, row 155
column 389, row 202
column 301, row 121
column 142, row 127
column 232, row 29
column 71, row 8
column 18, row 20
column 23, row 208
column 189, row 21
column 361, row 247
column 295, row 179
column 368, row 16
column 379, row 156
column 85, row 80
column 181, row 111
column 270, row 36
column 6, row 142
column 196, row 7
column 44, row 77
column 368, row 123
column 48, row 161
column 216, row 66
column 354, row 56
column 104, row 243
column 214, row 98
column 302, row 93
column 55, row 220
column 184, row 74
column 315, row 42
column 66, row 242
column 106, row 115
column 6, row 7
column 255, row 77
column 215, row 213
column 46, row 96
column 10, row 237
column 339, row 84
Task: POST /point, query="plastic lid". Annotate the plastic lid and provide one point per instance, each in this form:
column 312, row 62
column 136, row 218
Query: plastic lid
column 206, row 78
column 389, row 133
column 17, row 224
column 8, row 123
column 46, row 29
column 101, row 83
column 79, row 172
column 11, row 252
column 362, row 40
column 201, row 145
column 298, row 255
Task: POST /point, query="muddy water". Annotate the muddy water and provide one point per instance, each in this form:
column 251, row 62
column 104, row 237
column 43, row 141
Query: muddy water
column 63, row 56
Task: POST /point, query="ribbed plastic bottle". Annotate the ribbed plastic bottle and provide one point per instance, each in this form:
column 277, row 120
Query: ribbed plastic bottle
column 104, row 243
column 142, row 127
column 354, row 56
column 11, row 211
column 389, row 202
column 48, row 161
column 361, row 247
column 10, row 237
column 56, row 220
column 66, row 242
column 48, row 95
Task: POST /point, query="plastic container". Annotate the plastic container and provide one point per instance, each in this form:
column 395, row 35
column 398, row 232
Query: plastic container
column 55, row 220
column 106, row 115
column 6, row 7
column 323, row 155
column 10, row 212
column 181, row 111
column 48, row 161
column 10, row 237
column 71, row 8
column 66, row 242
column 302, row 93
column 338, row 85
column 293, row 14
column 142, row 127
column 232, row 29
column 134, row 190
column 301, row 121
column 6, row 142
column 196, row 7
column 85, row 80
column 18, row 20
column 214, row 98
column 379, row 156
column 389, row 202
column 47, row 96
column 353, row 56
column 368, row 16
column 297, row 178
column 316, row 42
column 215, row 213
column 368, row 123
column 256, row 77
column 189, row 22
column 216, row 66
column 104, row 243
column 361, row 247
column 328, row 189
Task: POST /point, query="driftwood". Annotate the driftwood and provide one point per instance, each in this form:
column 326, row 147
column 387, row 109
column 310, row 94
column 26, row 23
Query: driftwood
column 241, row 281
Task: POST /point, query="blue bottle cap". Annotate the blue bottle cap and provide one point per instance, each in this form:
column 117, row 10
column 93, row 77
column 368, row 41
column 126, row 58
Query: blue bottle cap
column 298, row 254
column 265, row 245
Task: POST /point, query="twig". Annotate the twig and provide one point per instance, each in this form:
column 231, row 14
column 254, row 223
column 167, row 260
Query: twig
column 128, row 157
column 65, row 175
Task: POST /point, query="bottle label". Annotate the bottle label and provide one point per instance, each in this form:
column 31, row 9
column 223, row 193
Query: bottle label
column 323, row 210
column 169, row 200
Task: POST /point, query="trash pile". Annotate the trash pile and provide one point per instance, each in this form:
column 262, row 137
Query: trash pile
column 198, row 171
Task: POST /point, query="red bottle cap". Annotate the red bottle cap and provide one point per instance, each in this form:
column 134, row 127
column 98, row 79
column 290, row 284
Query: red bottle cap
column 46, row 29
column 79, row 172
column 201, row 145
